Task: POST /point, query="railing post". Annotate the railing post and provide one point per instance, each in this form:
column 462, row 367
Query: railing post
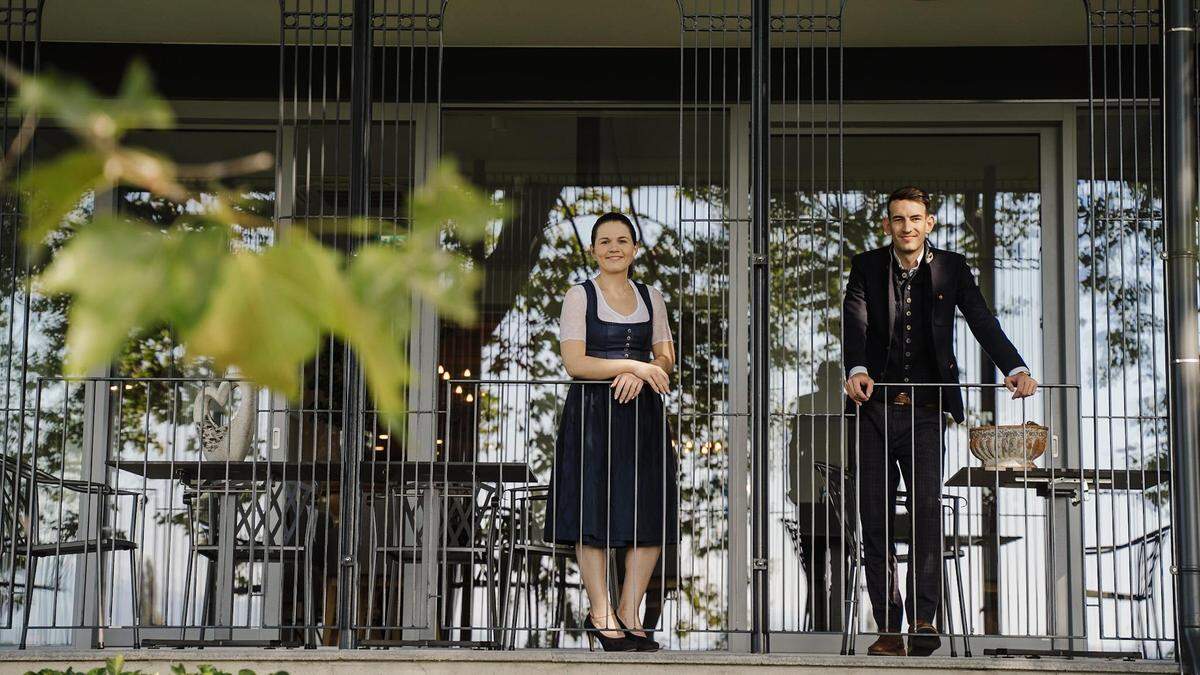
column 760, row 136
column 1183, row 352
column 352, row 432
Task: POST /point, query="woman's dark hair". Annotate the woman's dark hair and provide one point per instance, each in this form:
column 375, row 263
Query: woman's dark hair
column 613, row 216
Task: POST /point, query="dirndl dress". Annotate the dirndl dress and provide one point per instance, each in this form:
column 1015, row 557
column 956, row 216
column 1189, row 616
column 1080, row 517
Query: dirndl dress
column 614, row 478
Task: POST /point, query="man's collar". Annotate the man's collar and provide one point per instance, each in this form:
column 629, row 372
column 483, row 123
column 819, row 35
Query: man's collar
column 926, row 256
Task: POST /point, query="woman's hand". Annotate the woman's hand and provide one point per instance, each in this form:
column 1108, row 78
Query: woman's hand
column 655, row 376
column 626, row 387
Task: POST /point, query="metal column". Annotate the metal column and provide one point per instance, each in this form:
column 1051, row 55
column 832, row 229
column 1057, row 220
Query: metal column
column 352, row 432
column 1183, row 351
column 760, row 134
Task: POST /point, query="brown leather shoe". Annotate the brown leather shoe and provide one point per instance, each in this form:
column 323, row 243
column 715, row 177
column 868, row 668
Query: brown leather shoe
column 923, row 640
column 887, row 645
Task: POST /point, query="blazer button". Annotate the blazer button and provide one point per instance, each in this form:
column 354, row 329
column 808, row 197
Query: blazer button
column 940, row 296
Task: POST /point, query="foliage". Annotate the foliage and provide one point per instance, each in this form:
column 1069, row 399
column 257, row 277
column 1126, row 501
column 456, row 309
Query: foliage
column 116, row 666
column 262, row 310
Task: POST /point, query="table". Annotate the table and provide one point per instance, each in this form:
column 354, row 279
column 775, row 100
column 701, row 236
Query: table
column 370, row 473
column 1045, row 481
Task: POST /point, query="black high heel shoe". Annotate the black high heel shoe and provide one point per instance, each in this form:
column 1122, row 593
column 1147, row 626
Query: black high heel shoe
column 643, row 643
column 625, row 643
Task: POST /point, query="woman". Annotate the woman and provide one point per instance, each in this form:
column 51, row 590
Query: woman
column 614, row 471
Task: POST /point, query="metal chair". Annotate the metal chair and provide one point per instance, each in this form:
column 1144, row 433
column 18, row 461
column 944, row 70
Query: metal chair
column 19, row 510
column 520, row 539
column 839, row 489
column 268, row 523
column 466, row 513
column 1147, row 552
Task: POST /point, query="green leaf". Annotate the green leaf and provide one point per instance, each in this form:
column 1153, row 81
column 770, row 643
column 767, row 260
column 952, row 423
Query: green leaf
column 76, row 106
column 268, row 309
column 447, row 202
column 123, row 277
column 53, row 189
column 115, row 665
column 138, row 105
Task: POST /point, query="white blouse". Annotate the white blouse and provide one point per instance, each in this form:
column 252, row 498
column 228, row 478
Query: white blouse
column 572, row 325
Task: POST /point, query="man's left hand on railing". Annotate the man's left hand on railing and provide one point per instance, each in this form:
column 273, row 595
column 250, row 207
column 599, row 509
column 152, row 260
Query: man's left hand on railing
column 1022, row 384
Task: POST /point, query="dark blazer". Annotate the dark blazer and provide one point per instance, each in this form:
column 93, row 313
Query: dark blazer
column 869, row 312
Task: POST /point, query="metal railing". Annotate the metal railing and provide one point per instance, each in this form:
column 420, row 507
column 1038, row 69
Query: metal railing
column 188, row 511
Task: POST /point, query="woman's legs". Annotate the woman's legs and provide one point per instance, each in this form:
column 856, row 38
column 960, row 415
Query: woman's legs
column 639, row 567
column 593, row 567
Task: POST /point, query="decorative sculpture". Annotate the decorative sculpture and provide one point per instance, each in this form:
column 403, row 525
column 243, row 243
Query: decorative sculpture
column 224, row 417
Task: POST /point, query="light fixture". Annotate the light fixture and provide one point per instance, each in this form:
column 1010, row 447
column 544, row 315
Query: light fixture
column 378, row 448
column 113, row 388
column 470, row 398
column 458, row 389
column 383, row 437
column 439, row 441
column 466, row 372
column 717, row 446
column 445, row 375
column 441, row 369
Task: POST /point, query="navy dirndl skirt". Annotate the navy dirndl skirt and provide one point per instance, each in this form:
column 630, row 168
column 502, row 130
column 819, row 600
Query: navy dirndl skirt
column 614, row 480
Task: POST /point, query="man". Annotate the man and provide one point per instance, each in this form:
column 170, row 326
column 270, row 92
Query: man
column 898, row 320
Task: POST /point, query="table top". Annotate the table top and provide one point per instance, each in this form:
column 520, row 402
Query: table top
column 370, row 473
column 1041, row 479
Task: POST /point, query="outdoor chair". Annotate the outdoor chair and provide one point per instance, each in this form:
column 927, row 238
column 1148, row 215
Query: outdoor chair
column 522, row 548
column 519, row 534
column 275, row 523
column 840, row 491
column 20, row 520
column 463, row 555
column 1146, row 553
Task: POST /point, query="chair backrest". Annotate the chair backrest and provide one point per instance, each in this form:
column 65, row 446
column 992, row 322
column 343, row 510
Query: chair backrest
column 840, row 493
column 1151, row 545
column 266, row 516
column 466, row 517
column 15, row 523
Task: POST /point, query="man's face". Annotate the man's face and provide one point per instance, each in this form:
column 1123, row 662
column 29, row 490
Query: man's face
column 908, row 225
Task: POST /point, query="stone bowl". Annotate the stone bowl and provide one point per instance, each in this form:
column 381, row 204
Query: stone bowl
column 1009, row 446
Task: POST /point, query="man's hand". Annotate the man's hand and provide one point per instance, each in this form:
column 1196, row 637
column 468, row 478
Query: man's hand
column 626, row 387
column 859, row 387
column 1022, row 385
column 655, row 376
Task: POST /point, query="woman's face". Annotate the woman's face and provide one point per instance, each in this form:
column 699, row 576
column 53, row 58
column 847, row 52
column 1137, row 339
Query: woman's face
column 614, row 248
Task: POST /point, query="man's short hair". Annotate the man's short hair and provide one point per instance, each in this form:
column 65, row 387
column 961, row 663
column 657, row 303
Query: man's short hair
column 908, row 193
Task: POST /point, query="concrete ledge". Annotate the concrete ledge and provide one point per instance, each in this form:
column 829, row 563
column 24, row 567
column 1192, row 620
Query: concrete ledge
column 536, row 661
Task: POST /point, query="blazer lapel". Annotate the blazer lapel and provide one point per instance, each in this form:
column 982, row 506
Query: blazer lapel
column 885, row 277
column 937, row 276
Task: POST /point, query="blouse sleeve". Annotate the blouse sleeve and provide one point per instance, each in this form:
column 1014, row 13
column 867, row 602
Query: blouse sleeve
column 662, row 322
column 572, row 324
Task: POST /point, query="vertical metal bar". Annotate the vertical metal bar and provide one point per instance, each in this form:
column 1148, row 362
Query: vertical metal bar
column 360, row 112
column 759, row 370
column 1183, row 350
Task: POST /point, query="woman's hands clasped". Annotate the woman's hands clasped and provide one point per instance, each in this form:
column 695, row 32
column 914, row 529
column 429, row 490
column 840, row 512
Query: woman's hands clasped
column 627, row 386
